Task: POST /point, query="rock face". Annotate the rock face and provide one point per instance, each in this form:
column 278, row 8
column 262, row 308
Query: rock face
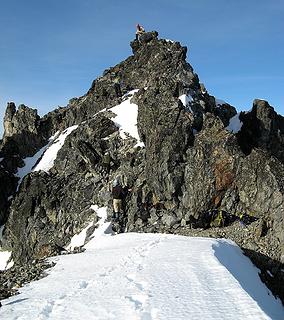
column 7, row 188
column 262, row 128
column 22, row 127
column 190, row 161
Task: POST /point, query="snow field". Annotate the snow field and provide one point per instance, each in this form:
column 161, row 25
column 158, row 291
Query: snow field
column 147, row 276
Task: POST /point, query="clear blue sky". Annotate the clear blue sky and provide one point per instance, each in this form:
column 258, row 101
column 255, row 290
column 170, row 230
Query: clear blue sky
column 52, row 50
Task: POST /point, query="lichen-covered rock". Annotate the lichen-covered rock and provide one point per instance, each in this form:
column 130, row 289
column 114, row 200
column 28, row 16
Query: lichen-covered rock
column 210, row 168
column 259, row 185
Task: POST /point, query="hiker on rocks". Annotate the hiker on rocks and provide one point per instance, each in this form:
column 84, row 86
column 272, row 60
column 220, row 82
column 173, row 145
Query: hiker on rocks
column 106, row 162
column 139, row 31
column 117, row 195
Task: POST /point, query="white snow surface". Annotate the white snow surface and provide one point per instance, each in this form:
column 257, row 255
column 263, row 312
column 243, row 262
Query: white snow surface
column 186, row 100
column 147, row 276
column 78, row 240
column 48, row 154
column 126, row 118
column 47, row 161
column 235, row 124
column 29, row 164
column 5, row 255
column 4, row 258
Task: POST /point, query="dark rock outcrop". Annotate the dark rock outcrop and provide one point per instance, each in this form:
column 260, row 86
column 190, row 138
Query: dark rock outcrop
column 189, row 164
column 22, row 138
column 7, row 189
column 11, row 280
column 22, row 127
column 225, row 112
column 262, row 128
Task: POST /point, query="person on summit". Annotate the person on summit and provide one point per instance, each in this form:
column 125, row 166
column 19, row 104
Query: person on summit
column 139, row 31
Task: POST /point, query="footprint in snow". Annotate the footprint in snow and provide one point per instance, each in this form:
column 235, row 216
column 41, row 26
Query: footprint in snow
column 47, row 309
column 83, row 284
column 130, row 277
column 140, row 285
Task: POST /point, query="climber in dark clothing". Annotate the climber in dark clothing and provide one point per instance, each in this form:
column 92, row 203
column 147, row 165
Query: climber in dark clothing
column 117, row 195
column 106, row 160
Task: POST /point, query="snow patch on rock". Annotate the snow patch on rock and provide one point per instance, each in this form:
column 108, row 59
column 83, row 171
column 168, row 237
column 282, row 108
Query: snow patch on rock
column 49, row 156
column 186, row 100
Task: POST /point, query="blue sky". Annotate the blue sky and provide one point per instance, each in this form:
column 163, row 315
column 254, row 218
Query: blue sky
column 52, row 50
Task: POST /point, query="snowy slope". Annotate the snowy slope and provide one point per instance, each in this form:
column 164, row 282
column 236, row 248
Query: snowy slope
column 47, row 161
column 147, row 276
column 126, row 117
column 47, row 154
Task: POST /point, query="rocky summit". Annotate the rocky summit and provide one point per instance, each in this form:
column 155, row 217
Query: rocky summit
column 191, row 165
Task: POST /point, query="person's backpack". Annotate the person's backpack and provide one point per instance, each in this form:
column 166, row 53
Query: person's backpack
column 117, row 192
